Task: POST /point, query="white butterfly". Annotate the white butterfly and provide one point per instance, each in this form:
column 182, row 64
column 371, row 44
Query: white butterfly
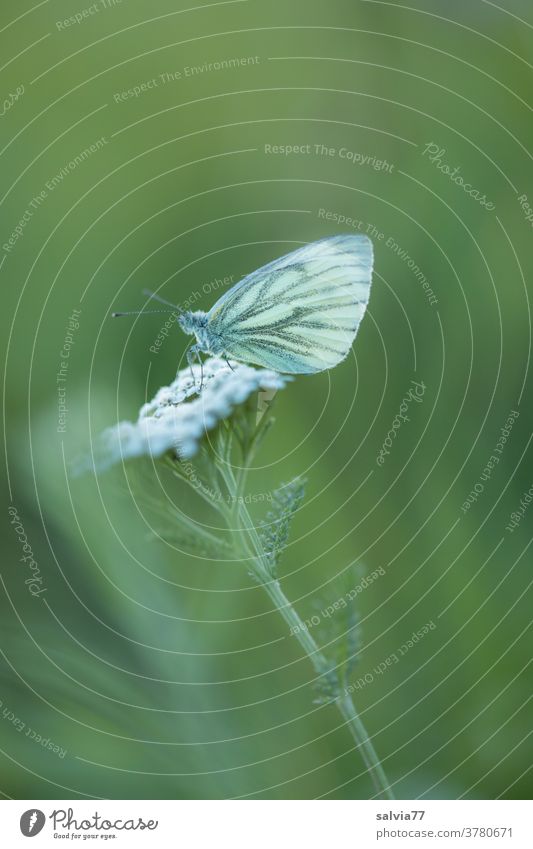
column 299, row 314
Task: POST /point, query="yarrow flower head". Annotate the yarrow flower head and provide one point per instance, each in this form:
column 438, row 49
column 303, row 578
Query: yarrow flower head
column 178, row 417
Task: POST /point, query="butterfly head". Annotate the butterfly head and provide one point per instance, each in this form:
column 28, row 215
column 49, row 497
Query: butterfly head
column 192, row 322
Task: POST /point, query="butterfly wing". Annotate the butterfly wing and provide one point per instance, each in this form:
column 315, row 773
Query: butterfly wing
column 300, row 313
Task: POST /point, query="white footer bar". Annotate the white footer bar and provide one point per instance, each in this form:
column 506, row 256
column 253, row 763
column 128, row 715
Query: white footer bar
column 268, row 824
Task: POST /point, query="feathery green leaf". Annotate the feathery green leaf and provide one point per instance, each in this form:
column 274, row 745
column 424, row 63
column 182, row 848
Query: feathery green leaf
column 275, row 528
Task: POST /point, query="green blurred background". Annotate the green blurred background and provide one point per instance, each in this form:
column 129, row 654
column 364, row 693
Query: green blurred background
column 158, row 675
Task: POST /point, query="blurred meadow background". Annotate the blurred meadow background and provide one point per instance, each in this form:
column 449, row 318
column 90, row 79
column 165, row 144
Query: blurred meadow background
column 178, row 147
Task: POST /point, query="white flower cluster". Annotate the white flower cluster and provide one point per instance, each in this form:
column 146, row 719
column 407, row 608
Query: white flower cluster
column 175, row 420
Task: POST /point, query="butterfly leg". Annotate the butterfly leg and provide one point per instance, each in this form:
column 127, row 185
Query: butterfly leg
column 228, row 363
column 201, row 371
column 192, row 353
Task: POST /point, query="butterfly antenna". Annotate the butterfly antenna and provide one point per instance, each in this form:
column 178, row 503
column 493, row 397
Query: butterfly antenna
column 137, row 312
column 161, row 300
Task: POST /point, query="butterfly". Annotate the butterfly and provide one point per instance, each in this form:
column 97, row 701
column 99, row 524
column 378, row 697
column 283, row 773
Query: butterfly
column 297, row 315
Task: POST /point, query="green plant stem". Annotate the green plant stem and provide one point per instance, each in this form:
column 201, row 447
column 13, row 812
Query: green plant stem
column 248, row 546
column 368, row 753
column 320, row 664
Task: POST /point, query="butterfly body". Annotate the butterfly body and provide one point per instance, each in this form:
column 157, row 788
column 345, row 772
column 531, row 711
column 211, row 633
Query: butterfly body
column 299, row 314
